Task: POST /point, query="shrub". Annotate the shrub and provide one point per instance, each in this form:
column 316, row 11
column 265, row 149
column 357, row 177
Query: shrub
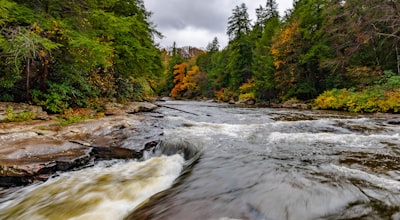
column 225, row 95
column 75, row 116
column 18, row 117
column 371, row 99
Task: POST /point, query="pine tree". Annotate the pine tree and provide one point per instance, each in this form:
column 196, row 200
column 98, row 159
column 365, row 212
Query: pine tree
column 240, row 47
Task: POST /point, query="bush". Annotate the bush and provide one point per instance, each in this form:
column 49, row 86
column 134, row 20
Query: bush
column 75, row 116
column 18, row 117
column 371, row 99
column 225, row 95
column 136, row 89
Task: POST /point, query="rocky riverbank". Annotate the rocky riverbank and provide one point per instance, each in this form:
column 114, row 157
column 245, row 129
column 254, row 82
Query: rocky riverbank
column 34, row 150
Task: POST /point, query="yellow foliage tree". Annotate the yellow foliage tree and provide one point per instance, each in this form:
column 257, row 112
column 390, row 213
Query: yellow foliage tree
column 281, row 50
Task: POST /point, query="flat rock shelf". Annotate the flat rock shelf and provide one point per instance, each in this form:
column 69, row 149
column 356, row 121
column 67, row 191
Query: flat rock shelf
column 33, row 151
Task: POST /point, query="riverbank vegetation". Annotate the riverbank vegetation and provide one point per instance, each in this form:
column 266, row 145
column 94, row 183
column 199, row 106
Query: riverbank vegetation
column 345, row 55
column 62, row 54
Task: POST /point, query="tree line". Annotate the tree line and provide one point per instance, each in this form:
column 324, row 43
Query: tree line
column 62, row 54
column 343, row 54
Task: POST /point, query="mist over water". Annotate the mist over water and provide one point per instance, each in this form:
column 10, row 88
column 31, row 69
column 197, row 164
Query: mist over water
column 240, row 163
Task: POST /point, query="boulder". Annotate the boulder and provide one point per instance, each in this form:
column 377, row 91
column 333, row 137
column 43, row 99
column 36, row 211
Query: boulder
column 394, row 121
column 112, row 108
column 295, row 104
column 128, row 108
column 135, row 107
column 248, row 101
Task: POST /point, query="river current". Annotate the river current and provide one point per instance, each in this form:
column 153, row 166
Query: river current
column 216, row 161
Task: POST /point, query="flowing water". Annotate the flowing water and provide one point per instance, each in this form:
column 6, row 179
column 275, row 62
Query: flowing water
column 226, row 162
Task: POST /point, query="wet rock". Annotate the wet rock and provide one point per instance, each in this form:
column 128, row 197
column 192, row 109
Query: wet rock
column 112, row 108
column 128, row 108
column 163, row 99
column 394, row 121
column 33, row 159
column 107, row 153
column 135, row 107
column 33, row 151
column 295, row 104
column 248, row 101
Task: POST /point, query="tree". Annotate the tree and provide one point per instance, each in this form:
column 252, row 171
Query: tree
column 180, row 71
column 62, row 54
column 264, row 14
column 363, row 35
column 240, row 47
column 213, row 46
column 298, row 51
column 238, row 23
column 263, row 69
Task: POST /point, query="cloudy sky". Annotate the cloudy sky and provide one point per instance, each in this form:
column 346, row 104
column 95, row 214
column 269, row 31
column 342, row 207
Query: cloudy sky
column 197, row 22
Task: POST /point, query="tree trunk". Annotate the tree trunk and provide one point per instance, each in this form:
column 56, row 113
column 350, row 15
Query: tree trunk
column 28, row 70
column 45, row 74
column 398, row 59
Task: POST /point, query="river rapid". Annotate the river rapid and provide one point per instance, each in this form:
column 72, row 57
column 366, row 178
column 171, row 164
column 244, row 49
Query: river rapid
column 217, row 161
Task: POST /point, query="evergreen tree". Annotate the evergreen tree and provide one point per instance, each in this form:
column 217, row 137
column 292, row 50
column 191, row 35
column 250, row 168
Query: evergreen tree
column 240, row 47
column 238, row 23
column 263, row 67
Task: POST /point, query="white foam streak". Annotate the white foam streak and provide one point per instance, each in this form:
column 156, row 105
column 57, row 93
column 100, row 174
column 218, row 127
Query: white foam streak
column 378, row 181
column 342, row 140
column 109, row 192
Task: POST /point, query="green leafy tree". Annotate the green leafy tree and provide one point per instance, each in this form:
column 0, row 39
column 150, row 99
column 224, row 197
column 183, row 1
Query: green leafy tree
column 298, row 51
column 267, row 25
column 240, row 47
column 61, row 54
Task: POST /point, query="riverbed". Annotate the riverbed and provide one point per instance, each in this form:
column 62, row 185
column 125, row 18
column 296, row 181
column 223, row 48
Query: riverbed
column 218, row 161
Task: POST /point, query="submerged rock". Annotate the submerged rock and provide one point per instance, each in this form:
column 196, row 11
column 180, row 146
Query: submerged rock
column 394, row 121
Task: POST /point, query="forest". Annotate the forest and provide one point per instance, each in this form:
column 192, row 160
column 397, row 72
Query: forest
column 332, row 54
column 65, row 54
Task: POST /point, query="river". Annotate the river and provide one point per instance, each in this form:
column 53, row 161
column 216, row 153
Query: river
column 234, row 163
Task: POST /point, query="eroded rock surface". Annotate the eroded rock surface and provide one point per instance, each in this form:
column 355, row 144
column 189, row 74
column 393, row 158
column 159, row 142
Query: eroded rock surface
column 33, row 151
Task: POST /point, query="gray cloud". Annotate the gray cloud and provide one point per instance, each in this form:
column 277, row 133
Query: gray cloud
column 197, row 22
column 179, row 14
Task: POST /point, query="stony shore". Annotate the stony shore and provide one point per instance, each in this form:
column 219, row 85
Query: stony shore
column 34, row 150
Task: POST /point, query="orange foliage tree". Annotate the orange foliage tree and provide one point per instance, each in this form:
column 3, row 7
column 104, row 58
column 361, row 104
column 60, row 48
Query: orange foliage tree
column 186, row 80
column 283, row 51
column 190, row 84
column 179, row 74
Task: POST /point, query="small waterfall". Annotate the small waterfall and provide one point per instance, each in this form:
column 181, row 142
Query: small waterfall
column 106, row 191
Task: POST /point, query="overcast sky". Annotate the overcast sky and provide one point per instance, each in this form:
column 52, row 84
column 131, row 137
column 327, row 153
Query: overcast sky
column 197, row 22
